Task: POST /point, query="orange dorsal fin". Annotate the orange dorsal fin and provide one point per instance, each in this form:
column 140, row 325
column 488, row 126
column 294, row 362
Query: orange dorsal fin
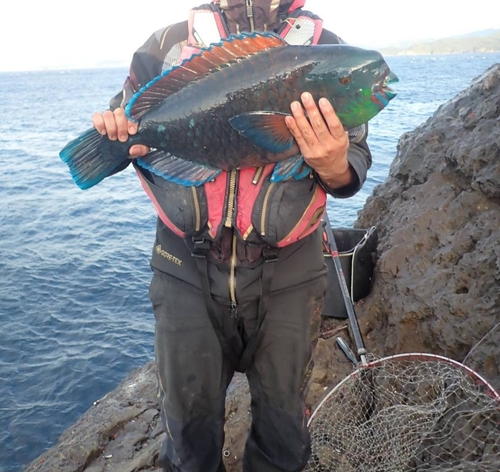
column 209, row 60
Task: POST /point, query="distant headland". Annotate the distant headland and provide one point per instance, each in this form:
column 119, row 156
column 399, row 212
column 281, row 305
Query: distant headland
column 478, row 42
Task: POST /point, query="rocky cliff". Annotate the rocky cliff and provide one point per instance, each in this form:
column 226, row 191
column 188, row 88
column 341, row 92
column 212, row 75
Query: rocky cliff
column 437, row 283
column 436, row 286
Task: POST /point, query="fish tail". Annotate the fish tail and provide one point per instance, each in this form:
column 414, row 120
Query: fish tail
column 91, row 157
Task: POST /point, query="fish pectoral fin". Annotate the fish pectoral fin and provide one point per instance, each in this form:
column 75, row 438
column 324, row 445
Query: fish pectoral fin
column 177, row 170
column 265, row 129
column 294, row 167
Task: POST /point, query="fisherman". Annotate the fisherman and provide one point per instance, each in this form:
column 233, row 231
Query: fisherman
column 224, row 301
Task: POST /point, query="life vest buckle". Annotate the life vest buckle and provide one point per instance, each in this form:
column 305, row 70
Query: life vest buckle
column 270, row 254
column 199, row 247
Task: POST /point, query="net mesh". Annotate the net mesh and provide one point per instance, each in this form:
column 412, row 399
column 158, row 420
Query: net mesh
column 407, row 413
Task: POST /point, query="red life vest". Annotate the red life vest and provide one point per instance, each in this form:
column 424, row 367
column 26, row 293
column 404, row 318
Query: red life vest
column 244, row 199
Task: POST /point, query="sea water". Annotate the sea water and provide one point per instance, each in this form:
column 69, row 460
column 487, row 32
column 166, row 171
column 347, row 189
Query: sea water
column 74, row 265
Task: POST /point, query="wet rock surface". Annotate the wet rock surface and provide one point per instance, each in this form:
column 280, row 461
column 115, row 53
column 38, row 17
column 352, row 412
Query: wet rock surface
column 436, row 287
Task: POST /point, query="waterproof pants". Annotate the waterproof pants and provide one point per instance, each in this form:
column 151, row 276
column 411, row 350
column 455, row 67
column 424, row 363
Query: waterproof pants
column 194, row 375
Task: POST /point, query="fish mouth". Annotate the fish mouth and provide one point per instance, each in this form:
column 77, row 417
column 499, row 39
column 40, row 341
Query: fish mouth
column 382, row 87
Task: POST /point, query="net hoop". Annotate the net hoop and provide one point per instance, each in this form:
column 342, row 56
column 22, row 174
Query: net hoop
column 408, row 356
column 411, row 412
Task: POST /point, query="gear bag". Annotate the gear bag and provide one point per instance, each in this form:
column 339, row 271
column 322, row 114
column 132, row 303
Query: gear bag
column 358, row 252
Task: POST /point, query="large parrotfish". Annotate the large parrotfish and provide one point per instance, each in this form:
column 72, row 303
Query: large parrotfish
column 225, row 108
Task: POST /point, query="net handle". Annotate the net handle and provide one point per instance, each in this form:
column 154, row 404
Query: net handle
column 351, row 315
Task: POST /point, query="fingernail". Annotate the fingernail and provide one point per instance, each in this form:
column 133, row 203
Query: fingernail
column 295, row 106
column 306, row 96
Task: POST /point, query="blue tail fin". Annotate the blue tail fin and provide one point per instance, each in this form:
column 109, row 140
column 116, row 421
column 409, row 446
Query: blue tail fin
column 91, row 157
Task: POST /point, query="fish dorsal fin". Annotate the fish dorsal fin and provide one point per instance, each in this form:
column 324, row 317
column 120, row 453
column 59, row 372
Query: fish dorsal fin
column 209, row 60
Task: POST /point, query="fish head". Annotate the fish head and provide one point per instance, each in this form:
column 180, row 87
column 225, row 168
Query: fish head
column 357, row 81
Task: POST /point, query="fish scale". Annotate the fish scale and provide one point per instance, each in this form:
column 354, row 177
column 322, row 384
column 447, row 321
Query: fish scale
column 218, row 143
column 225, row 108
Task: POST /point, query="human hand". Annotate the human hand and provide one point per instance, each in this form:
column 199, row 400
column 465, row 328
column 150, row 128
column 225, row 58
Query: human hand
column 322, row 140
column 115, row 125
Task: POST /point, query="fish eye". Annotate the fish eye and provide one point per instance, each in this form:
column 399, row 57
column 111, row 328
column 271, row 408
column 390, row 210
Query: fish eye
column 345, row 79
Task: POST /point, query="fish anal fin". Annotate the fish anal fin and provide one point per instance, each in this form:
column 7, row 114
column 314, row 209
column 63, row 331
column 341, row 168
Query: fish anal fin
column 208, row 61
column 176, row 169
column 265, row 129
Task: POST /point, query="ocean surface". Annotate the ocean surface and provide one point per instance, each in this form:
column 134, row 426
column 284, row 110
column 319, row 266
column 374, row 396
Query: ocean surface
column 74, row 265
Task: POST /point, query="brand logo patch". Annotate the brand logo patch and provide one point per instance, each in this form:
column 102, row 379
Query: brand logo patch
column 167, row 255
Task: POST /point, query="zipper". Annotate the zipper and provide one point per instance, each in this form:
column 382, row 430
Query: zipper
column 249, row 5
column 197, row 210
column 257, row 175
column 264, row 209
column 231, row 199
column 232, row 281
column 231, row 205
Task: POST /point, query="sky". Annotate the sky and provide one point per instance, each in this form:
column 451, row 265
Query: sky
column 60, row 34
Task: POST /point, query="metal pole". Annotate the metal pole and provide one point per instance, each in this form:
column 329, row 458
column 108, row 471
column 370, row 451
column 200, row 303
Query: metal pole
column 353, row 321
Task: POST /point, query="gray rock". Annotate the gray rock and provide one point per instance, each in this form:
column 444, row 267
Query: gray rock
column 436, row 287
column 437, row 281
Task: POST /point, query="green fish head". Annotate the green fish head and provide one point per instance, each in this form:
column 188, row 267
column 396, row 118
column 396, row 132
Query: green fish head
column 356, row 81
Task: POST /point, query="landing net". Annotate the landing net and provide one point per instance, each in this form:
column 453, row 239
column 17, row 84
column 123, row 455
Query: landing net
column 408, row 413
